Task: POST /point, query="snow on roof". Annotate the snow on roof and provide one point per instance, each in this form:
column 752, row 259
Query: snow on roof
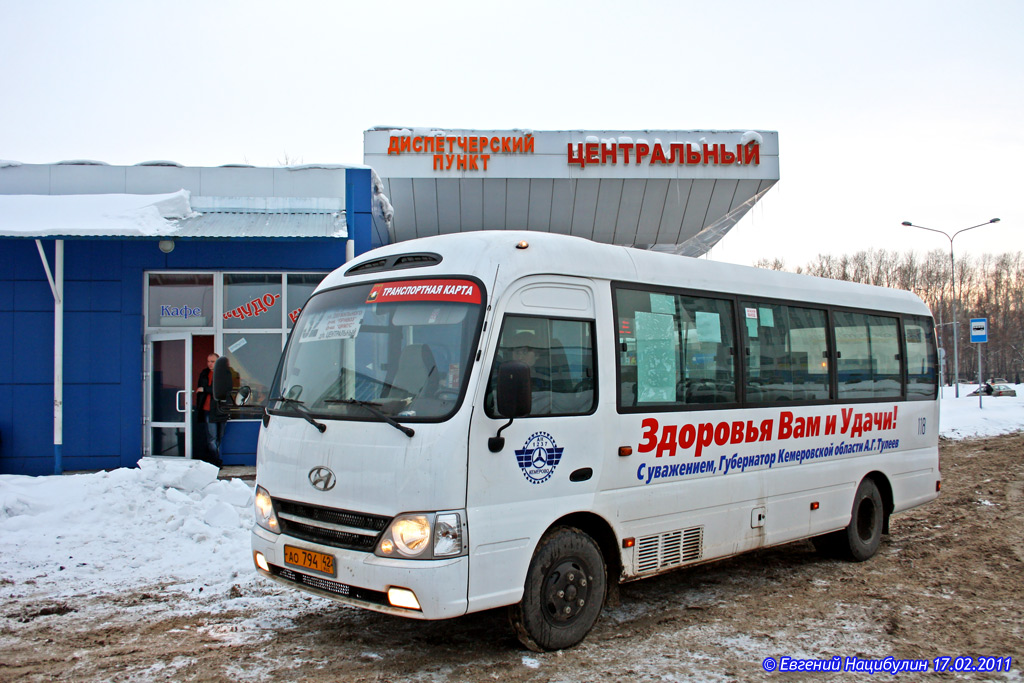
column 92, row 215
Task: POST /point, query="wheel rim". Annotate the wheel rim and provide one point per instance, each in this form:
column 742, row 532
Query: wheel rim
column 866, row 519
column 567, row 589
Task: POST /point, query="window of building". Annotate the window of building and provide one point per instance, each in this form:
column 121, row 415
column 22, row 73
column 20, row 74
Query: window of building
column 249, row 315
column 180, row 300
column 252, row 301
column 298, row 289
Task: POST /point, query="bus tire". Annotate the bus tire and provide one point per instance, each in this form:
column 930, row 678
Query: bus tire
column 867, row 519
column 860, row 540
column 564, row 591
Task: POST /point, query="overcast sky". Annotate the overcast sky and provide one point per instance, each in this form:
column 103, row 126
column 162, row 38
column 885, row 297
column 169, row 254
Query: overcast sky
column 886, row 111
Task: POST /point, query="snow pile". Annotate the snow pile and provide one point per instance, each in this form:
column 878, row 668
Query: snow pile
column 961, row 418
column 122, row 215
column 169, row 521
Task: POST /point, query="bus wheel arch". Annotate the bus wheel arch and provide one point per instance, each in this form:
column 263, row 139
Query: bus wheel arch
column 885, row 489
column 599, row 530
column 869, row 515
column 566, row 584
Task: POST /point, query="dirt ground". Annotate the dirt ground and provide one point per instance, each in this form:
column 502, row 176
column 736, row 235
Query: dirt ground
column 948, row 581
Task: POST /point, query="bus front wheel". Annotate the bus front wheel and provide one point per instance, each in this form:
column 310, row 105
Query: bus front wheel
column 564, row 591
column 860, row 540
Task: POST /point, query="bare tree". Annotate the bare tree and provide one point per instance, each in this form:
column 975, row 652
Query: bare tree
column 989, row 286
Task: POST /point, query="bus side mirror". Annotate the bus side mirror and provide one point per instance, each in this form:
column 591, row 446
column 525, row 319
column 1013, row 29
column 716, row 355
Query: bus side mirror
column 513, row 399
column 222, row 380
column 513, row 390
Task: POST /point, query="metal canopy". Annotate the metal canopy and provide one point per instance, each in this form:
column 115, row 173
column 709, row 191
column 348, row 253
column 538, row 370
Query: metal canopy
column 581, row 183
column 613, row 210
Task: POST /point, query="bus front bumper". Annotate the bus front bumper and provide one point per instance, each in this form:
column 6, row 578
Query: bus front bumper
column 365, row 580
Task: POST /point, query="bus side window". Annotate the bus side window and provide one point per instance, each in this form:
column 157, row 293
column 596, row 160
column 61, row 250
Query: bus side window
column 785, row 353
column 674, row 349
column 560, row 355
column 922, row 361
column 868, row 366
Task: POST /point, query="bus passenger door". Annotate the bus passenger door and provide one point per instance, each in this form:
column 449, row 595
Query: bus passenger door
column 548, row 464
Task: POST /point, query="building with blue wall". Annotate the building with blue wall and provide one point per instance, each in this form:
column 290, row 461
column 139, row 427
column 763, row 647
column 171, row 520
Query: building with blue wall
column 161, row 265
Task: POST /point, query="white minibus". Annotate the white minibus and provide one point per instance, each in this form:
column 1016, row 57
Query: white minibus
column 524, row 419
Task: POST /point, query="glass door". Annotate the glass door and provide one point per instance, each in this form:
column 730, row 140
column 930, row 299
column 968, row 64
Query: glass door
column 168, row 395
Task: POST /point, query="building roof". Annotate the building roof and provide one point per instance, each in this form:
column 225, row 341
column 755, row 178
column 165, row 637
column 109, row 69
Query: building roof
column 168, row 216
column 165, row 200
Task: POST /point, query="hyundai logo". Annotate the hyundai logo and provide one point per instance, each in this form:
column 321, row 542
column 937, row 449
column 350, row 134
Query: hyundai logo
column 322, row 479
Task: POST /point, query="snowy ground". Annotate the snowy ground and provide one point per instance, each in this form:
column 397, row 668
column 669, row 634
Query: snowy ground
column 173, row 525
column 961, row 418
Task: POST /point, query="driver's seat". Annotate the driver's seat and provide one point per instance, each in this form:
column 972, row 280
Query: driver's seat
column 416, row 374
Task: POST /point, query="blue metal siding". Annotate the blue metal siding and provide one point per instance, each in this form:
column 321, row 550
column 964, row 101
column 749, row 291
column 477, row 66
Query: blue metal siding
column 359, row 209
column 6, row 346
column 29, row 434
column 103, row 336
column 103, row 343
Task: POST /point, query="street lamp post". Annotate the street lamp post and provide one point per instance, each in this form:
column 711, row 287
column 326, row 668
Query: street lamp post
column 952, row 286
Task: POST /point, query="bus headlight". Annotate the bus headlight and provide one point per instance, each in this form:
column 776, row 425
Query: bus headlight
column 411, row 535
column 424, row 536
column 265, row 516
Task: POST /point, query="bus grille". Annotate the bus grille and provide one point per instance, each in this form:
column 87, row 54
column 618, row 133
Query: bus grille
column 669, row 549
column 329, row 586
column 315, row 524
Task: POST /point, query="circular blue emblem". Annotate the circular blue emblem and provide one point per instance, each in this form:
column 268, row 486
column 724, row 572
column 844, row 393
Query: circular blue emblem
column 538, row 457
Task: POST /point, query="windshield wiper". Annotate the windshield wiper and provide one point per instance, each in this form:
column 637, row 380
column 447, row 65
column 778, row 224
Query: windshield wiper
column 301, row 409
column 372, row 407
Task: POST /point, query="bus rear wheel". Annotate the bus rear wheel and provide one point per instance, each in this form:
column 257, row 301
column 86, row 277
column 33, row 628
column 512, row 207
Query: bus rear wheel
column 860, row 540
column 564, row 592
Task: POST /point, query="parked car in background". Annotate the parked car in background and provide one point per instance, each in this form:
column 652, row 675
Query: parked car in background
column 997, row 390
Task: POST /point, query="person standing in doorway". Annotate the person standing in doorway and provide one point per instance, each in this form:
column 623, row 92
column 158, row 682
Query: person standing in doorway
column 210, row 415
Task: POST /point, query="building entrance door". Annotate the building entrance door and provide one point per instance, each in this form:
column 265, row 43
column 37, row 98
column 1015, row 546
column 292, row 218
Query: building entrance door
column 169, row 395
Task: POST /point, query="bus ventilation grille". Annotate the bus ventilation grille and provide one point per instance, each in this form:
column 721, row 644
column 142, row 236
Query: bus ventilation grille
column 670, row 549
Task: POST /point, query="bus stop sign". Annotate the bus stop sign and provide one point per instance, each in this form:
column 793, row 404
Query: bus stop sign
column 979, row 330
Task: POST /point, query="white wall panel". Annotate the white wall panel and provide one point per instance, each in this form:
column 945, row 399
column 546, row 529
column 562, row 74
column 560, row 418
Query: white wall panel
column 425, row 194
column 87, row 179
column 160, row 179
column 517, row 204
column 562, row 199
column 721, row 200
column 471, row 190
column 629, row 211
column 607, row 215
column 540, row 204
column 585, row 208
column 400, row 193
column 648, row 229
column 494, row 203
column 697, row 208
column 675, row 207
column 449, row 213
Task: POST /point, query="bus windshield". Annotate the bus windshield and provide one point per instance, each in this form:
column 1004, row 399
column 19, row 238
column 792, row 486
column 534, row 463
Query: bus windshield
column 398, row 349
